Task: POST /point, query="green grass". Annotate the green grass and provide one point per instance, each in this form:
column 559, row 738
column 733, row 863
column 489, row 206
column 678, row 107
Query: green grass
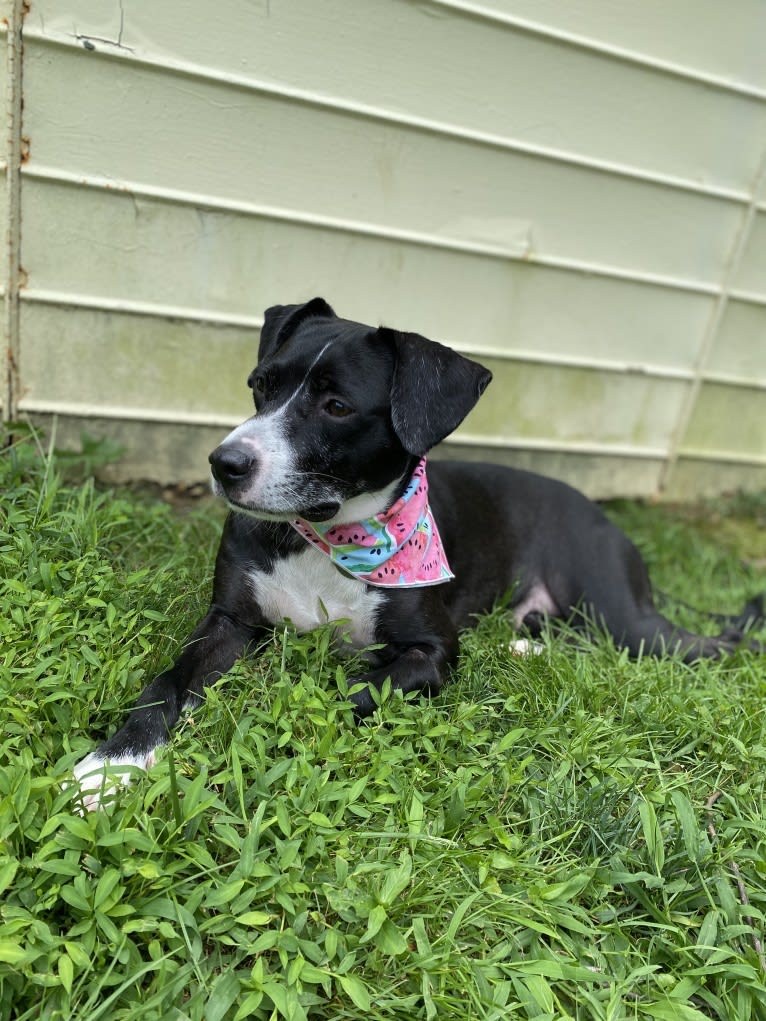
column 532, row 844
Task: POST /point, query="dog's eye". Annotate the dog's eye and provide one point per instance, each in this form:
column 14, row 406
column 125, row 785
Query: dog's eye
column 259, row 384
column 337, row 408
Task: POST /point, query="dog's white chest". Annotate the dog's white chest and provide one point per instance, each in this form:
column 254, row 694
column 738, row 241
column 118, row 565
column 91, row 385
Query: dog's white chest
column 307, row 589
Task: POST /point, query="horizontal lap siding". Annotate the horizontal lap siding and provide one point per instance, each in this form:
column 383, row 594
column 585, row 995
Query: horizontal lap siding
column 564, row 211
column 435, row 62
column 234, row 146
column 703, row 37
column 157, row 369
column 113, row 247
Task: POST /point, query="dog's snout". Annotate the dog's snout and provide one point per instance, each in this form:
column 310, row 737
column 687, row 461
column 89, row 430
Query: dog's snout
column 231, row 464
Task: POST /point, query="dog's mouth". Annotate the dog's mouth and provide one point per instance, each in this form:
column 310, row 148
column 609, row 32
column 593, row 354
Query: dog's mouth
column 316, row 512
column 321, row 511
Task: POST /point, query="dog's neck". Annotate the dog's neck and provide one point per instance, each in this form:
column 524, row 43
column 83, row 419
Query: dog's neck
column 399, row 547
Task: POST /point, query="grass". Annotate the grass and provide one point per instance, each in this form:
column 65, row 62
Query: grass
column 550, row 838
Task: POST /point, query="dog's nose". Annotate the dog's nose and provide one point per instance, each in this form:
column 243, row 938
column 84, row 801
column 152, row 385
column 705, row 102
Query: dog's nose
column 231, row 464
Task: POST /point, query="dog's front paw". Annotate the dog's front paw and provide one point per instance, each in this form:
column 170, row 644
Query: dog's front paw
column 98, row 778
column 363, row 703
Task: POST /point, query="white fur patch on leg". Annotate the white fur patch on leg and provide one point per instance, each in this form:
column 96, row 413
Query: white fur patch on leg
column 525, row 647
column 98, row 779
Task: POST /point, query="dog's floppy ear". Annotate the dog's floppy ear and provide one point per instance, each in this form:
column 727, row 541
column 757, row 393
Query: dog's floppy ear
column 281, row 320
column 433, row 389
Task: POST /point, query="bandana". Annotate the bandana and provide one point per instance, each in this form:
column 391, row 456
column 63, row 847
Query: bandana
column 400, row 547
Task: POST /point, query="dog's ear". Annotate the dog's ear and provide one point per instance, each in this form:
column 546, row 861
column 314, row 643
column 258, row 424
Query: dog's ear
column 433, row 389
column 280, row 321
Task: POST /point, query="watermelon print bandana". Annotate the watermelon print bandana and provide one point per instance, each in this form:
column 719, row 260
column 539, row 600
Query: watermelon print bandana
column 399, row 548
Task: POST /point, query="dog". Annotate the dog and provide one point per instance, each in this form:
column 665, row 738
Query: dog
column 334, row 516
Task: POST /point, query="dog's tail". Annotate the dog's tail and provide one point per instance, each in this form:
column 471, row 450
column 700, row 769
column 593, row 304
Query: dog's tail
column 750, row 618
column 753, row 616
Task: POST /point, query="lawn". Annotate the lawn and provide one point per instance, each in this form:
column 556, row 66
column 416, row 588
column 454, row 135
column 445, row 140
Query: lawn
column 569, row 836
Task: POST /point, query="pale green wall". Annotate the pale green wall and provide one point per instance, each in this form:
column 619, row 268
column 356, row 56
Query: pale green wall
column 574, row 193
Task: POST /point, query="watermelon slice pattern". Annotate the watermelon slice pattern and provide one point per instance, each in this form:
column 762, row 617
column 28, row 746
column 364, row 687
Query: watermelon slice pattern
column 400, row 547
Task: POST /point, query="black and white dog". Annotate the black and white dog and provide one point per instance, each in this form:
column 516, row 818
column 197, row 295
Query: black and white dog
column 333, row 518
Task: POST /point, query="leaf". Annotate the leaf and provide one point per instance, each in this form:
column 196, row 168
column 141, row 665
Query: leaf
column 356, row 990
column 458, row 914
column 73, row 896
column 105, row 887
column 396, row 880
column 7, row 873
column 10, row 952
column 149, row 870
column 421, row 937
column 78, row 827
column 708, row 934
column 330, row 943
column 541, row 993
column 78, row 955
column 154, row 615
column 415, row 815
column 674, row 1011
column 509, row 740
column 222, row 996
column 268, row 939
column 319, row 819
column 90, row 657
column 650, row 881
column 223, row 894
column 390, row 940
column 565, row 891
column 283, row 818
column 248, row 1006
column 278, row 995
column 52, row 824
column 652, row 835
column 375, row 920
column 690, row 828
column 501, row 860
column 254, row 918
column 66, row 972
column 59, row 867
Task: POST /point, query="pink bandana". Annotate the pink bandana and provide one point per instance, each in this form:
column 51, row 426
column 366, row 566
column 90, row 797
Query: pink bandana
column 400, row 547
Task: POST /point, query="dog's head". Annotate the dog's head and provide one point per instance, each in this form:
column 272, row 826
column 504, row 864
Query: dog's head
column 343, row 412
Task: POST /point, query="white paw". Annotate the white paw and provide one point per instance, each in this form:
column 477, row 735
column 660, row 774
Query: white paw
column 98, row 779
column 525, row 647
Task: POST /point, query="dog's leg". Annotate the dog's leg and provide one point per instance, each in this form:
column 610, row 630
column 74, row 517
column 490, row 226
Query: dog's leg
column 213, row 648
column 421, row 645
column 659, row 635
column 654, row 635
column 418, row 668
column 618, row 598
column 751, row 617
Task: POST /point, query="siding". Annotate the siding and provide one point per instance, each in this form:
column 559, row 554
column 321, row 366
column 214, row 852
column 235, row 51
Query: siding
column 574, row 193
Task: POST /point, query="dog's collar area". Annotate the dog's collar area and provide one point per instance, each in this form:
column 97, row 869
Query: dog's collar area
column 400, row 548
